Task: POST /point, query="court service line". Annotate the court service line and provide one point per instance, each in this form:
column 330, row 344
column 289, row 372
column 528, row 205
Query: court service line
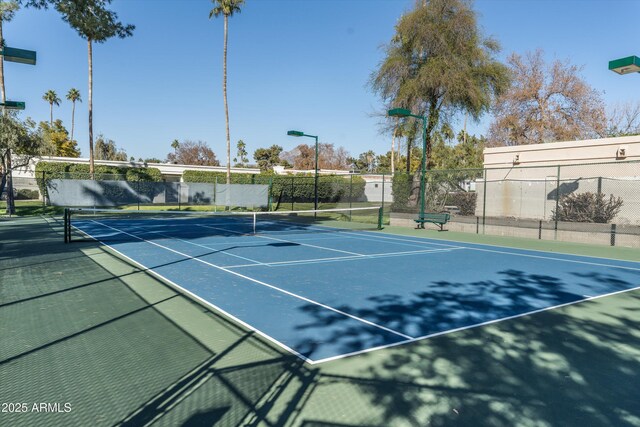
column 288, row 241
column 523, row 255
column 335, row 310
column 255, row 262
column 344, row 258
column 198, row 298
column 475, row 325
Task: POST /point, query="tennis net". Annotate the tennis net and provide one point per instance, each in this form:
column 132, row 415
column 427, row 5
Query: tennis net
column 110, row 225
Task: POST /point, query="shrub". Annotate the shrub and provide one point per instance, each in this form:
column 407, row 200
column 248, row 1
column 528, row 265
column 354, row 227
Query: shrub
column 401, row 186
column 465, row 201
column 587, row 207
column 26, row 194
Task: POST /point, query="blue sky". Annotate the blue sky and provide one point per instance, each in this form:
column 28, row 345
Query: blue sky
column 293, row 64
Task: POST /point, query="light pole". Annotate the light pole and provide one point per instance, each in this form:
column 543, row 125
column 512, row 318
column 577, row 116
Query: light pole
column 315, row 180
column 403, row 112
column 21, row 56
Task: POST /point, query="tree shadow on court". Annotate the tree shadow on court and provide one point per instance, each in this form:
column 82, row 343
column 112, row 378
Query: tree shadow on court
column 126, row 350
column 123, row 349
column 577, row 365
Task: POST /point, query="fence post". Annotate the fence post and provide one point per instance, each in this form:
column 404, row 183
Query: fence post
column 138, row 192
column 484, row 201
column 599, row 185
column 215, row 194
column 179, row 195
column 269, row 193
column 613, row 234
column 540, row 230
column 350, row 193
column 383, row 195
column 43, row 186
column 293, row 190
column 555, row 228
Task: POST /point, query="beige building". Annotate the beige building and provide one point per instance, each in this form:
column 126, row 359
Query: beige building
column 523, row 181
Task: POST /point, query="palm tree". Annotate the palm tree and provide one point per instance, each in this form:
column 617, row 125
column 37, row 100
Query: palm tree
column 73, row 95
column 226, row 8
column 94, row 23
column 52, row 98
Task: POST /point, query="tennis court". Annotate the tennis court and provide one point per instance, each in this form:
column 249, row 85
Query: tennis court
column 325, row 286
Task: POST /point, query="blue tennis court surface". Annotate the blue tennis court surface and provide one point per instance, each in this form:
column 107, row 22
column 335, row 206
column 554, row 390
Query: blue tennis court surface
column 325, row 294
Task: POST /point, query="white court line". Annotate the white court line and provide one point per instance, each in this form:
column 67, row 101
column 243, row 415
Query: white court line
column 335, row 310
column 202, row 300
column 409, row 340
column 289, row 241
column 344, row 258
column 476, row 325
column 517, row 254
column 255, row 262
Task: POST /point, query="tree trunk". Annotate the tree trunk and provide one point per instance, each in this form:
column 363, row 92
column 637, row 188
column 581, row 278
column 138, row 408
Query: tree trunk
column 431, row 124
column 73, row 116
column 11, row 209
column 393, row 145
column 7, row 161
column 51, row 114
column 2, row 94
column 409, row 154
column 224, row 92
column 91, row 166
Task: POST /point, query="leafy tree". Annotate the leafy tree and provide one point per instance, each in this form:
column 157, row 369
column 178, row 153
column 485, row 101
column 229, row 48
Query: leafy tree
column 623, row 120
column 52, row 98
column 438, row 63
column 74, row 96
column 22, row 141
column 94, row 23
column 267, row 158
column 329, row 157
column 241, row 160
column 58, row 137
column 152, row 160
column 175, row 144
column 465, row 152
column 192, row 153
column 365, row 162
column 546, row 103
column 226, row 8
column 106, row 149
column 383, row 162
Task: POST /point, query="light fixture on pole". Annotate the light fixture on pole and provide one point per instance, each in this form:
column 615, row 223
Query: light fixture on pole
column 315, row 180
column 403, row 112
column 630, row 64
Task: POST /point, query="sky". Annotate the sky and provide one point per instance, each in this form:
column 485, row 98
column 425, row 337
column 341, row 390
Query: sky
column 292, row 65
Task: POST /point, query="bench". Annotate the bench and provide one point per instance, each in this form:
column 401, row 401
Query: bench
column 440, row 219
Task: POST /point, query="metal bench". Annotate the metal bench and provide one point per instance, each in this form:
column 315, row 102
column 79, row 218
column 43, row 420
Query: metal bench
column 440, row 219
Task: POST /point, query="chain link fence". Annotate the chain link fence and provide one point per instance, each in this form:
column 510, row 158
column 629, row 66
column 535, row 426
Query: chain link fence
column 589, row 203
column 246, row 192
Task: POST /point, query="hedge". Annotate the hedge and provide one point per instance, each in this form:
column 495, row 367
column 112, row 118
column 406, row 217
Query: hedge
column 288, row 188
column 145, row 177
column 55, row 170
